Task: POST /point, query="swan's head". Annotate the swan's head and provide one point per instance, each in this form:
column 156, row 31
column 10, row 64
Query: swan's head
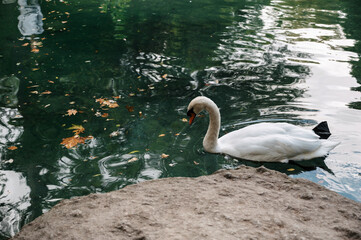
column 197, row 105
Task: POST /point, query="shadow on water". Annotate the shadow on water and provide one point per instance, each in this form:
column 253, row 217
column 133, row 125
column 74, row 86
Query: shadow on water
column 292, row 167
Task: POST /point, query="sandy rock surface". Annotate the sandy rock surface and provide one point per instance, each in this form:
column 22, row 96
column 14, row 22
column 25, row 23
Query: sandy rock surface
column 247, row 203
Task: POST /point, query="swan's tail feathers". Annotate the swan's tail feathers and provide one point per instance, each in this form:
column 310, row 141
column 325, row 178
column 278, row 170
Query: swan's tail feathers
column 322, row 130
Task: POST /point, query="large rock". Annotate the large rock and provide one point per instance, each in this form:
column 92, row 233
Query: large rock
column 247, row 203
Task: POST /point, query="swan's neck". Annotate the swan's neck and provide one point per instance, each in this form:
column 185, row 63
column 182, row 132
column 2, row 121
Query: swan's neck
column 210, row 141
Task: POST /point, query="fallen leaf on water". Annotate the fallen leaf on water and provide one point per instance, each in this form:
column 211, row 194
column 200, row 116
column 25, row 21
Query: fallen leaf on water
column 177, row 134
column 164, row 76
column 46, row 92
column 71, row 142
column 25, row 44
column 35, row 50
column 132, row 160
column 35, row 69
column 100, row 100
column 196, row 163
column 96, row 175
column 105, row 102
column 104, row 115
column 77, row 129
column 129, row 108
column 164, row 155
column 12, row 148
column 114, row 134
column 135, row 151
column 184, row 120
column 50, row 81
column 34, row 92
column 161, row 135
column 71, row 112
column 33, row 86
column 36, row 43
column 291, row 169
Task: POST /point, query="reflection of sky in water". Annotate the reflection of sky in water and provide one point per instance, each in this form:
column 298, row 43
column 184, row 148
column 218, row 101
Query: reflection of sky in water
column 14, row 200
column 328, row 92
column 30, row 18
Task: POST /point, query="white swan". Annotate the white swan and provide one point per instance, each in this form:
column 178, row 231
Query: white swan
column 262, row 142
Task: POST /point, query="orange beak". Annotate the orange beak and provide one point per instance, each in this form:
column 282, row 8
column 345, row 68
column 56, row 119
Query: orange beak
column 191, row 115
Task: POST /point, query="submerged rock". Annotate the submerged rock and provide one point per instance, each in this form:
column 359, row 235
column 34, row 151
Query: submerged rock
column 246, row 203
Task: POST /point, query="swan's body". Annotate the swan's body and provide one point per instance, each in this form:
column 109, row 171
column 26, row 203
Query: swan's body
column 263, row 142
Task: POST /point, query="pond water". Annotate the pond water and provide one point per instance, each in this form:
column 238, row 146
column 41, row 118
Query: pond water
column 120, row 74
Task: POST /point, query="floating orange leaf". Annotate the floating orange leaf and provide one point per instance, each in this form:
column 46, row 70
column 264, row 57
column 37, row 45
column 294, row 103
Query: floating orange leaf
column 100, row 100
column 12, row 148
column 104, row 115
column 161, row 135
column 164, row 155
column 35, row 50
column 133, row 159
column 77, row 129
column 164, row 76
column 130, row 108
column 46, row 92
column 196, row 163
column 71, row 112
column 105, row 102
column 25, row 44
column 71, row 142
column 112, row 104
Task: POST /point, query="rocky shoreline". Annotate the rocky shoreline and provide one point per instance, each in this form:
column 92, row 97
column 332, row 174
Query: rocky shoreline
column 247, row 203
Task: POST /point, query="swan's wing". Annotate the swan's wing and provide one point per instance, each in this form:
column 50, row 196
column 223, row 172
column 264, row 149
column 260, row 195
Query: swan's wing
column 265, row 129
column 274, row 147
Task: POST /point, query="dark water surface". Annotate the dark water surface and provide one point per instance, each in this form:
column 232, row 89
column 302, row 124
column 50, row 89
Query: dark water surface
column 129, row 68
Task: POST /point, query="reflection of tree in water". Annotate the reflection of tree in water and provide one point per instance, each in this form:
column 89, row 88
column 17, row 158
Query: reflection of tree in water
column 352, row 29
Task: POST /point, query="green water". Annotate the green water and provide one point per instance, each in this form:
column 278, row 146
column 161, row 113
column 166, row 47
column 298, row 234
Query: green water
column 280, row 61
